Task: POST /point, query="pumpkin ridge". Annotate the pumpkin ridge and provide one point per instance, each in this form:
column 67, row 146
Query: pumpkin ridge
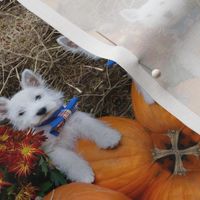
column 120, row 157
column 124, row 176
column 84, row 191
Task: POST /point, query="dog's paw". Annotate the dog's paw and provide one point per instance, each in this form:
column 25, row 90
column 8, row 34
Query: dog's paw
column 82, row 173
column 87, row 177
column 110, row 139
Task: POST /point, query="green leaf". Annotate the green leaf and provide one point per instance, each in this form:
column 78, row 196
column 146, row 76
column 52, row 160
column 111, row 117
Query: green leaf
column 45, row 187
column 41, row 160
column 11, row 189
column 57, row 177
column 44, row 165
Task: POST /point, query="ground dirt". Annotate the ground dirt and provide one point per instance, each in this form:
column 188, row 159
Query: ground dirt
column 28, row 42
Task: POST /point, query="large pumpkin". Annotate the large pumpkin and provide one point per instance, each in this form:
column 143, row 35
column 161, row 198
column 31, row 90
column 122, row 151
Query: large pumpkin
column 128, row 168
column 152, row 116
column 168, row 187
column 142, row 161
column 178, row 154
column 84, row 191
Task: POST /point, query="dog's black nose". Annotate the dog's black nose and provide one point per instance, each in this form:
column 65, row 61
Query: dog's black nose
column 41, row 111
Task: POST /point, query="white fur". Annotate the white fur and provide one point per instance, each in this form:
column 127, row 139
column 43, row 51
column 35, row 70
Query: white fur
column 68, row 45
column 147, row 98
column 60, row 149
column 156, row 13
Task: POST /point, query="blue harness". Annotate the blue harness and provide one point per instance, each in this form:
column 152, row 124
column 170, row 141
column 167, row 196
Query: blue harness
column 59, row 117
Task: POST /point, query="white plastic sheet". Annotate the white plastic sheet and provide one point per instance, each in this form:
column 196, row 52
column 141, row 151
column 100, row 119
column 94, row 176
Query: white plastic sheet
column 161, row 34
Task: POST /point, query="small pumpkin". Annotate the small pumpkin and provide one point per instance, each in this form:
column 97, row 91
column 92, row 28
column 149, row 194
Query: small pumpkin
column 152, row 116
column 84, row 191
column 128, row 168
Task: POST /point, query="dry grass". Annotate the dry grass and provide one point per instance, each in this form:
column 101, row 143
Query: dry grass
column 28, row 42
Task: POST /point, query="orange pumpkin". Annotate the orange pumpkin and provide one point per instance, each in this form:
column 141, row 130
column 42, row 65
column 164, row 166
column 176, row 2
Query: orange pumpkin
column 128, row 168
column 152, row 116
column 143, row 160
column 180, row 178
column 84, row 191
column 168, row 187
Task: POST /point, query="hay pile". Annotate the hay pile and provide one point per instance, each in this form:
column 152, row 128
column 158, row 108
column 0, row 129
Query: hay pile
column 28, row 42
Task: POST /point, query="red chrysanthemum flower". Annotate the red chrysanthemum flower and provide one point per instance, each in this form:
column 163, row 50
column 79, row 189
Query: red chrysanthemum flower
column 2, row 182
column 27, row 151
column 29, row 148
column 23, row 156
column 5, row 136
column 3, row 154
column 3, row 147
column 8, row 136
column 35, row 138
column 7, row 151
column 27, row 192
column 21, row 167
column 19, row 150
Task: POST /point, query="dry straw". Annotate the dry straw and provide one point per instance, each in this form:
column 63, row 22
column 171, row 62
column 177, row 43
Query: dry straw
column 28, row 42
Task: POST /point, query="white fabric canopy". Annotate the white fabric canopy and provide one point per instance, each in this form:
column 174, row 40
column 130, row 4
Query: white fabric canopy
column 160, row 34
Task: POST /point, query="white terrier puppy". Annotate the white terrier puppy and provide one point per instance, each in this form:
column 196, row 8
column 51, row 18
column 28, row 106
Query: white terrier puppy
column 35, row 104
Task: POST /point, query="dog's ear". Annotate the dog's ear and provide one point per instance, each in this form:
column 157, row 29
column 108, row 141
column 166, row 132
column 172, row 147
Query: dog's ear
column 3, row 108
column 30, row 79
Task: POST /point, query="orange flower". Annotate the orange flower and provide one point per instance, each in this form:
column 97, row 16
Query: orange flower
column 7, row 136
column 4, row 137
column 7, row 149
column 27, row 192
column 35, row 138
column 27, row 151
column 21, row 167
column 3, row 154
column 3, row 147
column 19, row 150
column 23, row 159
column 2, row 182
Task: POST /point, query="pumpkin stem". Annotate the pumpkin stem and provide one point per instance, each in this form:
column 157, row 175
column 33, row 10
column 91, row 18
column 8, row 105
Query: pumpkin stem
column 174, row 138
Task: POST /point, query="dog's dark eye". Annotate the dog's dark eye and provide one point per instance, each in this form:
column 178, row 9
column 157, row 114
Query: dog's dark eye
column 21, row 113
column 37, row 97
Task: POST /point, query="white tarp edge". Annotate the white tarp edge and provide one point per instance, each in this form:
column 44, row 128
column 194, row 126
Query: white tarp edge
column 119, row 54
